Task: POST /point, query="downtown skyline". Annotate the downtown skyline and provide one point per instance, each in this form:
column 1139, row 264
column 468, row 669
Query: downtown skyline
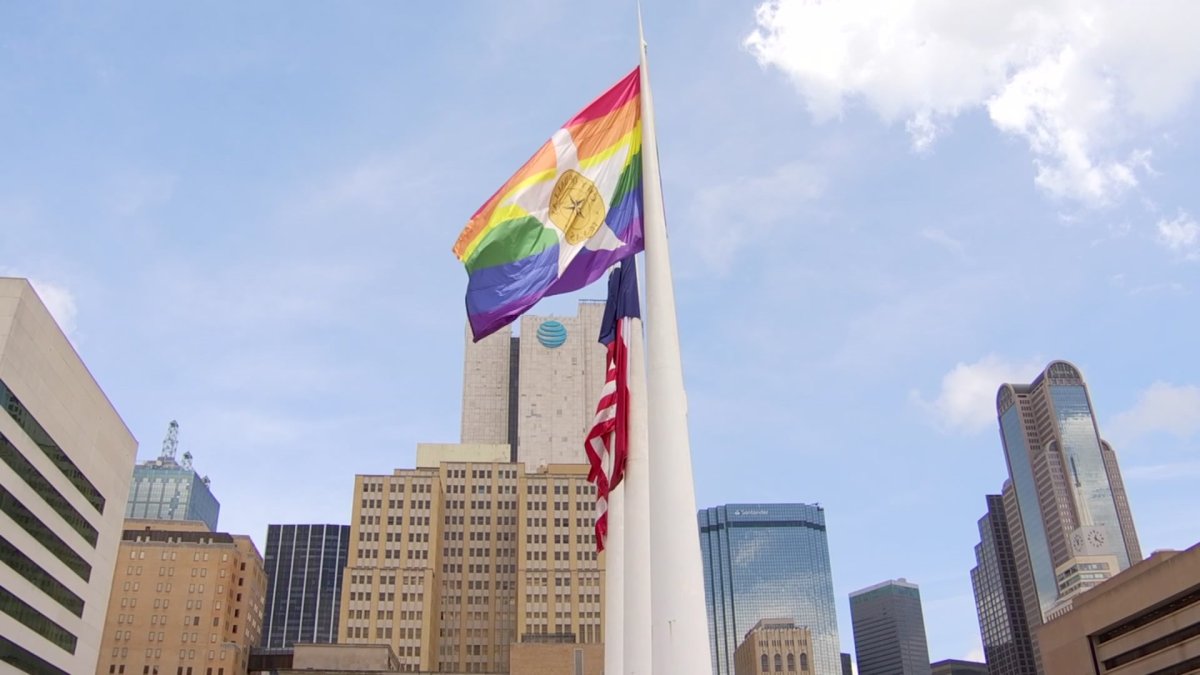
column 251, row 234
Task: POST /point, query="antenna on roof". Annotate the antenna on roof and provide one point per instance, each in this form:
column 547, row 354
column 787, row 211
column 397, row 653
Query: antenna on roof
column 171, row 442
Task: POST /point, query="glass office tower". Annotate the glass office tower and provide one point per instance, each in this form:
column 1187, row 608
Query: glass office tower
column 1073, row 513
column 304, row 565
column 163, row 489
column 768, row 561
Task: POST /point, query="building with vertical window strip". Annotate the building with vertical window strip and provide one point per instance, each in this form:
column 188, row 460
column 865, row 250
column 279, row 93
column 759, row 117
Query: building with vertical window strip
column 452, row 563
column 1003, row 622
column 64, row 475
column 184, row 601
column 304, row 565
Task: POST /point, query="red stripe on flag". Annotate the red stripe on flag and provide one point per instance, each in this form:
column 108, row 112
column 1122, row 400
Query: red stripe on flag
column 607, row 443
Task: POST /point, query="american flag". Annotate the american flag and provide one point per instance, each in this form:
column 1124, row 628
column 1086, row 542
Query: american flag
column 608, row 440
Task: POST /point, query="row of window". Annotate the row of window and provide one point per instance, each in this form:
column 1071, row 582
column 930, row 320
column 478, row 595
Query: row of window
column 49, row 494
column 33, row 573
column 24, row 660
column 791, row 663
column 38, row 434
column 22, row 516
column 37, row 622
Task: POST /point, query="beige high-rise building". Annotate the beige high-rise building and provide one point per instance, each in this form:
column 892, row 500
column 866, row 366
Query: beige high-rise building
column 774, row 646
column 67, row 461
column 536, row 392
column 185, row 601
column 488, row 373
column 453, row 562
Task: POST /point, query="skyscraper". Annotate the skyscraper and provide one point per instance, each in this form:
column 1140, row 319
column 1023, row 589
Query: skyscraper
column 164, row 489
column 889, row 629
column 1069, row 517
column 536, row 392
column 768, row 561
column 304, row 565
column 66, row 461
column 1003, row 623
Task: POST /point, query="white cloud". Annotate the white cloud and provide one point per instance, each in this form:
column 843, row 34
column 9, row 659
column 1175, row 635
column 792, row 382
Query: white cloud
column 1162, row 407
column 733, row 215
column 1186, row 470
column 1076, row 79
column 944, row 240
column 1181, row 234
column 60, row 301
column 975, row 654
column 967, row 400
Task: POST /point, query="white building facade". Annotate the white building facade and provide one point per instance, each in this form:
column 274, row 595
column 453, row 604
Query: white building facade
column 66, row 459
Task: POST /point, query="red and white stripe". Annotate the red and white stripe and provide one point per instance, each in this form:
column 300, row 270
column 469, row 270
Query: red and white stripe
column 607, row 442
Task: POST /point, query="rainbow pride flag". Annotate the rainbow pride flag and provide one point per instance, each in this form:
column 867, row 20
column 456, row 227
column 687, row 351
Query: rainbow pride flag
column 571, row 212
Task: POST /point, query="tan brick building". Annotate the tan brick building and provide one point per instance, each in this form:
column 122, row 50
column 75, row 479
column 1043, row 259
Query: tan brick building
column 451, row 564
column 1144, row 620
column 184, row 601
column 774, row 646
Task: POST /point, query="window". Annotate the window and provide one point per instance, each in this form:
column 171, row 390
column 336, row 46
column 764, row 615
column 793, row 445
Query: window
column 778, row 663
column 791, row 662
column 804, row 662
column 766, row 664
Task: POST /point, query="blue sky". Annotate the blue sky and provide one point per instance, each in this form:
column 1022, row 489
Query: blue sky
column 879, row 211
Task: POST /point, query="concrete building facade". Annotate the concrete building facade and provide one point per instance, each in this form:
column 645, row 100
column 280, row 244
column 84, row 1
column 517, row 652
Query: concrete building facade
column 537, row 392
column 304, row 565
column 766, row 561
column 184, row 601
column 1145, row 620
column 67, row 459
column 452, row 565
column 889, row 629
column 1003, row 622
column 1070, row 519
column 774, row 646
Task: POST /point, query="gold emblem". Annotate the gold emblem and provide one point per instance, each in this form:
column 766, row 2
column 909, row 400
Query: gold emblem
column 576, row 207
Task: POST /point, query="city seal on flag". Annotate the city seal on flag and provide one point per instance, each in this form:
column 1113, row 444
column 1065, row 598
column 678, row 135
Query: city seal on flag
column 576, row 207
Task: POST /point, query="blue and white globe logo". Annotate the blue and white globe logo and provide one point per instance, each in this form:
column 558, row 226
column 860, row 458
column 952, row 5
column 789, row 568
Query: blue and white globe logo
column 552, row 334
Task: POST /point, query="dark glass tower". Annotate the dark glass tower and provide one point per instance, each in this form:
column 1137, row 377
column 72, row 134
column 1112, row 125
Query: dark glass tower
column 889, row 629
column 768, row 561
column 1003, row 623
column 304, row 566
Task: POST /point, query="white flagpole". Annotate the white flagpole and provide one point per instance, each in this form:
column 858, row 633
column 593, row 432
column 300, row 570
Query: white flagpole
column 614, row 584
column 638, row 651
column 678, row 616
